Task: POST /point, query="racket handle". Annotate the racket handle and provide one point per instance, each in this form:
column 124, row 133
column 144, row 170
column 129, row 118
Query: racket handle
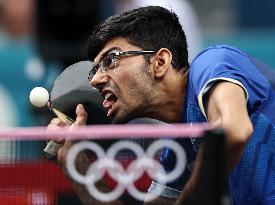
column 52, row 147
column 67, row 120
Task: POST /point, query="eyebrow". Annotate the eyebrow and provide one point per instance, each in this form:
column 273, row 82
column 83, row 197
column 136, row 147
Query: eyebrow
column 107, row 52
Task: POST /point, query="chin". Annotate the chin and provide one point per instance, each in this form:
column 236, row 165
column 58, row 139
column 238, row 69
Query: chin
column 121, row 119
column 118, row 120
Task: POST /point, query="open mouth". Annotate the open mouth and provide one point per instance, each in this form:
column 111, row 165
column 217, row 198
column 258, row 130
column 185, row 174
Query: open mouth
column 109, row 101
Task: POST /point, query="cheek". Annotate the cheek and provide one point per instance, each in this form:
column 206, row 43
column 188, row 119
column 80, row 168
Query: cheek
column 133, row 84
column 137, row 93
column 129, row 91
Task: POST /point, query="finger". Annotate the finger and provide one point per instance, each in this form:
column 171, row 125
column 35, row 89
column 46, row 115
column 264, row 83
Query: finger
column 53, row 127
column 81, row 115
column 63, row 151
column 49, row 104
column 56, row 124
column 57, row 121
column 60, row 140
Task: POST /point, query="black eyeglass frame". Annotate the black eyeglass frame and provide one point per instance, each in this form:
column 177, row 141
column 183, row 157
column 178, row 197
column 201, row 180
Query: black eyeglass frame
column 116, row 55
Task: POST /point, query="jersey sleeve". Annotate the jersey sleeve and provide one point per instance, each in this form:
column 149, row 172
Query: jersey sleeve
column 224, row 63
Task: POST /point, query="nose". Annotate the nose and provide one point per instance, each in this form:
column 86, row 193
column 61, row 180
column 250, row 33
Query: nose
column 99, row 80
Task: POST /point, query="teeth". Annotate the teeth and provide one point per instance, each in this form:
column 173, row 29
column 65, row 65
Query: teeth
column 107, row 95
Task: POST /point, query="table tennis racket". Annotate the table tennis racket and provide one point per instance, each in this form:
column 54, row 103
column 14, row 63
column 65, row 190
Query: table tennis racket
column 71, row 88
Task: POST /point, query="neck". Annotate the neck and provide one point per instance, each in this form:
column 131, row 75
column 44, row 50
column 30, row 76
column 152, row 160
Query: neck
column 169, row 107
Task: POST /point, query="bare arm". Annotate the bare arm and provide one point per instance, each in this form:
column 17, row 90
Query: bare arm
column 82, row 162
column 226, row 108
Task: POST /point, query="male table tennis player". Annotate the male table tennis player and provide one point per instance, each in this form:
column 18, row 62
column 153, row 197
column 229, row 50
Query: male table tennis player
column 141, row 69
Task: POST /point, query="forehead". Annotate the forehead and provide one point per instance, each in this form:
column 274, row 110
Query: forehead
column 115, row 44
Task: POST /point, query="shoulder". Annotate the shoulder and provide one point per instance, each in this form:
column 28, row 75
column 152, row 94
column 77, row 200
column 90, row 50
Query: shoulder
column 219, row 53
column 222, row 58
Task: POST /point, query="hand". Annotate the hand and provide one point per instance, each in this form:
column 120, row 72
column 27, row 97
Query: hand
column 51, row 150
column 81, row 118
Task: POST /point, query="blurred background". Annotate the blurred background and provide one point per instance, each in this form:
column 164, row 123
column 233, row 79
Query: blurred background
column 40, row 38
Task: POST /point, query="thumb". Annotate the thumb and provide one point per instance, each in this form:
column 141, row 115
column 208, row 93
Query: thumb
column 81, row 115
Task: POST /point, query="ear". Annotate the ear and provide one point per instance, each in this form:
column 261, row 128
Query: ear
column 161, row 62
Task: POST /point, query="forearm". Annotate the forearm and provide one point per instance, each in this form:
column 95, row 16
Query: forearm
column 236, row 138
column 189, row 194
column 208, row 180
column 226, row 106
column 82, row 163
column 234, row 153
column 86, row 197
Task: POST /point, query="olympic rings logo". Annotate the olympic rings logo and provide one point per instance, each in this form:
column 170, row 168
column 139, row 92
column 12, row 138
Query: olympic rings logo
column 125, row 178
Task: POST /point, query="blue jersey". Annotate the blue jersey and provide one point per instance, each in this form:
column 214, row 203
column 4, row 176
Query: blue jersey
column 253, row 179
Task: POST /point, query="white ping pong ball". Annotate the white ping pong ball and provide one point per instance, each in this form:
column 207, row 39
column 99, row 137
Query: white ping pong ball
column 39, row 96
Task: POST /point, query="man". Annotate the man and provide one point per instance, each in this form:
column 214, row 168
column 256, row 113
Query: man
column 141, row 70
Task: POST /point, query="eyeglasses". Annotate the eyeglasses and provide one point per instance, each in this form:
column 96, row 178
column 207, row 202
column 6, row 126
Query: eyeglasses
column 110, row 61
